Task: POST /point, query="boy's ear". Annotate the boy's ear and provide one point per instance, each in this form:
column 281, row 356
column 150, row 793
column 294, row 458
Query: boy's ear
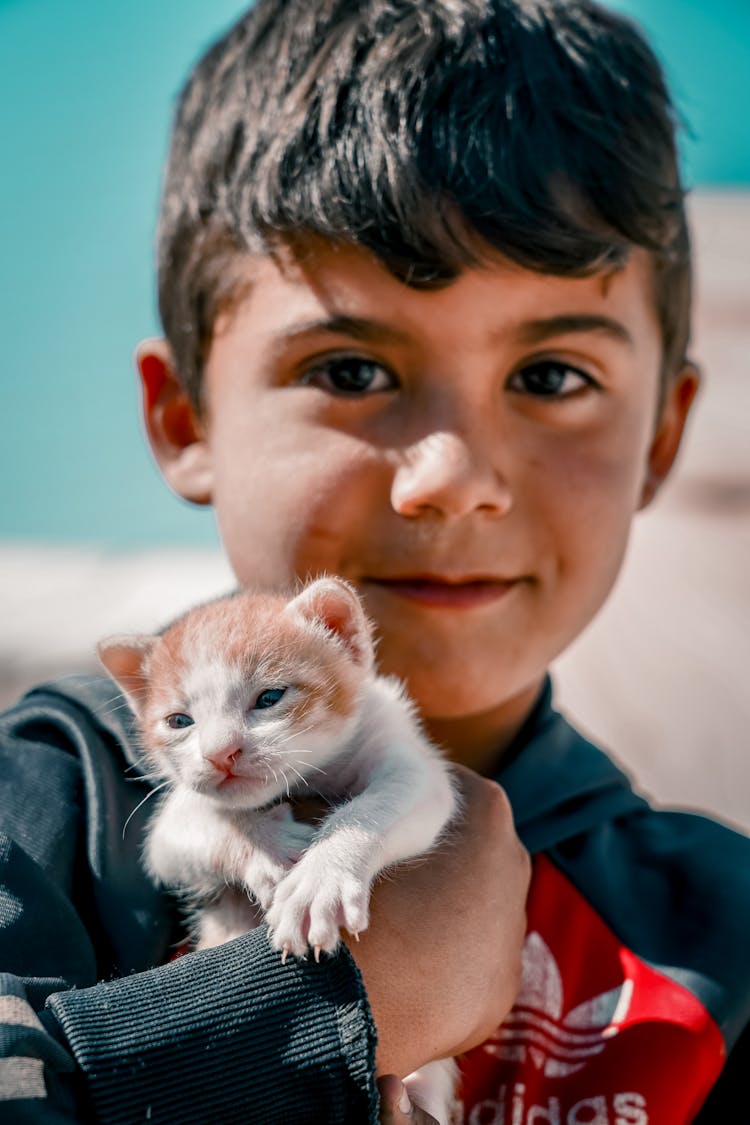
column 679, row 397
column 175, row 433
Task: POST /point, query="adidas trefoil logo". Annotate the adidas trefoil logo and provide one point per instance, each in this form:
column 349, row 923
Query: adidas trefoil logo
column 536, row 1028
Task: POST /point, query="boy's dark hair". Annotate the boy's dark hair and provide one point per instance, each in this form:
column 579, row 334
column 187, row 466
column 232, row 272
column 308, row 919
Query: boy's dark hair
column 422, row 129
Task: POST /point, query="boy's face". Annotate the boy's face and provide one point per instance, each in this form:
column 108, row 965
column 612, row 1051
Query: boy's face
column 470, row 458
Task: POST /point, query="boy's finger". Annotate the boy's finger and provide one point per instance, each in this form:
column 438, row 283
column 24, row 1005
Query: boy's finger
column 395, row 1106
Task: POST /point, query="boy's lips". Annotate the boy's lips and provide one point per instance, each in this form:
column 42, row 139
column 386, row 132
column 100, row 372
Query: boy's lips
column 447, row 593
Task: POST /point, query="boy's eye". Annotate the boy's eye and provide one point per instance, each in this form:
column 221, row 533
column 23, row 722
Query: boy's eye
column 549, row 378
column 268, row 698
column 349, row 375
column 178, row 721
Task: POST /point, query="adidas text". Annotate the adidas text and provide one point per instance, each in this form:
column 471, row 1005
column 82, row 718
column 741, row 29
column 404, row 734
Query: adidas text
column 511, row 1108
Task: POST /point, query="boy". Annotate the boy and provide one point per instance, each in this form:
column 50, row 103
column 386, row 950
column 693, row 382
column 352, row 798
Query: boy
column 425, row 282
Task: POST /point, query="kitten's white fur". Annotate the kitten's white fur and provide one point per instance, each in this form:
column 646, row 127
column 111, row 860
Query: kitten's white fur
column 216, row 846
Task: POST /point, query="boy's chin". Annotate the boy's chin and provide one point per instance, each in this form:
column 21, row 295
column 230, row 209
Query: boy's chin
column 474, row 727
column 456, row 697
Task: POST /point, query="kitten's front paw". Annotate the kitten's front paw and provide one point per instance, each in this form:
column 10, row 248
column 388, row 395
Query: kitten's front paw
column 312, row 902
column 262, row 877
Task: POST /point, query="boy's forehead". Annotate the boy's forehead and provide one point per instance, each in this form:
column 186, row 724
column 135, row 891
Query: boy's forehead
column 318, row 285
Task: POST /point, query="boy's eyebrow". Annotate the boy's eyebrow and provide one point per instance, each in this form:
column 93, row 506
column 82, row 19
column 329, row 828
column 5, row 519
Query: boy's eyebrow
column 360, row 328
column 527, row 333
column 536, row 331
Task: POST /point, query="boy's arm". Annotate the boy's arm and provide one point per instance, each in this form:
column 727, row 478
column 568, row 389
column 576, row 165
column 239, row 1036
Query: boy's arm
column 222, row 1035
column 229, row 1032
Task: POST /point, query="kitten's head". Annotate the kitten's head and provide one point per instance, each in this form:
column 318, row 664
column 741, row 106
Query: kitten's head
column 247, row 696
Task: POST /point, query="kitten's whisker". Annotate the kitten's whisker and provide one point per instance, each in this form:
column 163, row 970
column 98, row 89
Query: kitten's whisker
column 286, row 783
column 112, row 709
column 137, row 693
column 147, row 779
column 310, row 766
column 280, row 738
column 302, row 777
column 151, row 793
column 305, row 730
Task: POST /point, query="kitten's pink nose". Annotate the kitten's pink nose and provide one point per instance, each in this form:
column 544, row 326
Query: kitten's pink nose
column 224, row 758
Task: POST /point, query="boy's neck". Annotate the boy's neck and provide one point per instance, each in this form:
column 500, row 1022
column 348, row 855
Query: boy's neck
column 480, row 741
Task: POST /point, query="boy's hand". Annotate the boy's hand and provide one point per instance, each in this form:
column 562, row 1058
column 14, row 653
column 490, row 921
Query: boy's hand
column 441, row 960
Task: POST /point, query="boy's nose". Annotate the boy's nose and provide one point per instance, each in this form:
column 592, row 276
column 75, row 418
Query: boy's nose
column 446, row 474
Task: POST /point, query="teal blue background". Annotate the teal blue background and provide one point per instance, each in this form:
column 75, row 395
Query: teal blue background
column 86, row 91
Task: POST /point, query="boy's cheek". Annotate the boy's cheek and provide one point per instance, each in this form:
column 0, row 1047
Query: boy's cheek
column 290, row 510
column 597, row 477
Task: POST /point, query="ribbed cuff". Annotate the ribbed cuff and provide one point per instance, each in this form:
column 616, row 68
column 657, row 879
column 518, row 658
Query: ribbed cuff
column 227, row 1035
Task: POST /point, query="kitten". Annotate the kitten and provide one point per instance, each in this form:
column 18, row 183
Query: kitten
column 255, row 697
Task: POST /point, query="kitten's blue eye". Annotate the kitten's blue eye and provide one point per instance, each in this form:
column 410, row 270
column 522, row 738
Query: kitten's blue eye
column 268, row 698
column 178, row 721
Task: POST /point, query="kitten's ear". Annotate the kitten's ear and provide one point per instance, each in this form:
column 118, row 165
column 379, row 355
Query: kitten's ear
column 334, row 604
column 126, row 660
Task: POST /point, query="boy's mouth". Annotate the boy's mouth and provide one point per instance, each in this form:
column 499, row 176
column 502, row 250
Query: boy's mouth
column 446, row 593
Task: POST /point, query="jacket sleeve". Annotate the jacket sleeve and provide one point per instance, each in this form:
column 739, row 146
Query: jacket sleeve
column 228, row 1034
